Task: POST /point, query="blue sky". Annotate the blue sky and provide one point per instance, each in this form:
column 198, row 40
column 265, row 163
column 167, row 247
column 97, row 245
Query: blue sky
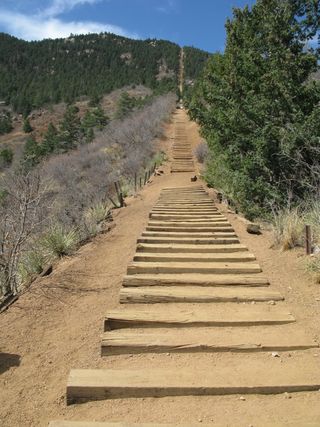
column 187, row 22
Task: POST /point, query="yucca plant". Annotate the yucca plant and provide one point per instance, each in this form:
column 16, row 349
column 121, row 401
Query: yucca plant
column 59, row 242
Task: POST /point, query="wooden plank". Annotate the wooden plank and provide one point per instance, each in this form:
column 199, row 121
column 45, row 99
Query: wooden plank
column 124, row 424
column 208, row 315
column 196, row 294
column 191, row 228
column 179, row 233
column 206, row 340
column 249, row 377
column 185, row 248
column 194, row 279
column 195, row 267
column 129, row 424
column 183, row 217
column 193, row 219
column 194, row 257
column 191, row 240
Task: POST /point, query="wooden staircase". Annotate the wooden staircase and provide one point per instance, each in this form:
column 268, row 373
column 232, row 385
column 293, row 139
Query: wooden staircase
column 192, row 287
column 181, row 153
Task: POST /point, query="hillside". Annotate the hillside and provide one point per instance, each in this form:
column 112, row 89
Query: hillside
column 50, row 71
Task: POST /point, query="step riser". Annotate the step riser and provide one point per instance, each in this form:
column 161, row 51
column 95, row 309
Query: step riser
column 155, row 280
column 189, row 234
column 125, row 299
column 166, row 248
column 230, row 269
column 113, row 324
column 213, row 241
column 181, row 258
column 192, row 229
column 108, row 348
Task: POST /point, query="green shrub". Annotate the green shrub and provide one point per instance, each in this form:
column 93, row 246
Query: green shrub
column 59, row 242
column 94, row 218
column 32, row 263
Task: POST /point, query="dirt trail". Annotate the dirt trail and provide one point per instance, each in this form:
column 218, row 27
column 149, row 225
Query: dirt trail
column 55, row 327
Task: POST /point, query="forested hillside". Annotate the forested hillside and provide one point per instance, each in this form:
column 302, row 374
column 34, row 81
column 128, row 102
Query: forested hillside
column 49, row 71
column 259, row 106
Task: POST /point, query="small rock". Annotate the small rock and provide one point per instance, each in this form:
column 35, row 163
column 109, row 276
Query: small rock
column 167, row 354
column 316, row 250
column 253, row 302
column 242, row 398
column 200, row 420
column 253, row 228
column 194, row 178
column 287, row 395
column 271, row 302
column 275, row 354
column 317, row 299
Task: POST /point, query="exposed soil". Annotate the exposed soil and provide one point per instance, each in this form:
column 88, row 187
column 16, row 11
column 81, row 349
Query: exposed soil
column 57, row 325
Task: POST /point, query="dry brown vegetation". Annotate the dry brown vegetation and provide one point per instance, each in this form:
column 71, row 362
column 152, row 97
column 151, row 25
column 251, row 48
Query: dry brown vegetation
column 48, row 211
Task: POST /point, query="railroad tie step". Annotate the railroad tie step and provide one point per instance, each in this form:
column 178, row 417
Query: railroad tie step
column 192, row 279
column 208, row 315
column 206, row 340
column 194, row 267
column 249, row 377
column 196, row 294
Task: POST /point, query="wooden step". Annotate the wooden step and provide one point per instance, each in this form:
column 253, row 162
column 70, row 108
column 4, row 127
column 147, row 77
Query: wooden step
column 191, row 240
column 194, row 279
column 196, row 294
column 194, row 267
column 184, row 248
column 208, row 315
column 213, row 223
column 186, row 211
column 129, row 424
column 249, row 377
column 193, row 219
column 184, row 217
column 179, row 233
column 194, row 257
column 206, row 340
column 193, row 229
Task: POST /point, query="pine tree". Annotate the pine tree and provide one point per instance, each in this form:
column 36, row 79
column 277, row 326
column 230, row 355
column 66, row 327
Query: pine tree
column 27, row 128
column 255, row 102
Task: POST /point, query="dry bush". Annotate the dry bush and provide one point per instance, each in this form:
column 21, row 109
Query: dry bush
column 201, row 152
column 81, row 183
column 24, row 209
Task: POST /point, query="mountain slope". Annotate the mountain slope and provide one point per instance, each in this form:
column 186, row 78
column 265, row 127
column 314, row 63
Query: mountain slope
column 50, row 71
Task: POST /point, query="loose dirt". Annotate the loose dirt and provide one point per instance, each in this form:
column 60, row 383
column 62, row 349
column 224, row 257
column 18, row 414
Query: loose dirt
column 57, row 325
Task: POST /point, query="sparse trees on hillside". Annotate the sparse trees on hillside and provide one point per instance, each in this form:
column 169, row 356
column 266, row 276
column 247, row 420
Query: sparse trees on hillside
column 46, row 212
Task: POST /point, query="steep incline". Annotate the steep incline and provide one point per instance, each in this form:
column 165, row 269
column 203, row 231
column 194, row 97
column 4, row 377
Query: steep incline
column 193, row 288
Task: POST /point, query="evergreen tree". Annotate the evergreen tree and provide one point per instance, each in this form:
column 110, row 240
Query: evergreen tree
column 27, row 128
column 5, row 123
column 32, row 153
column 51, row 140
column 6, row 156
column 70, row 128
column 257, row 104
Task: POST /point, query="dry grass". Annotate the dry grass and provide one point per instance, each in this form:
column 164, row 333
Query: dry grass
column 288, row 226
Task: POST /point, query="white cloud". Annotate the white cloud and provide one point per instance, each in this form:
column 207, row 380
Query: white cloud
column 167, row 6
column 57, row 7
column 46, row 25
